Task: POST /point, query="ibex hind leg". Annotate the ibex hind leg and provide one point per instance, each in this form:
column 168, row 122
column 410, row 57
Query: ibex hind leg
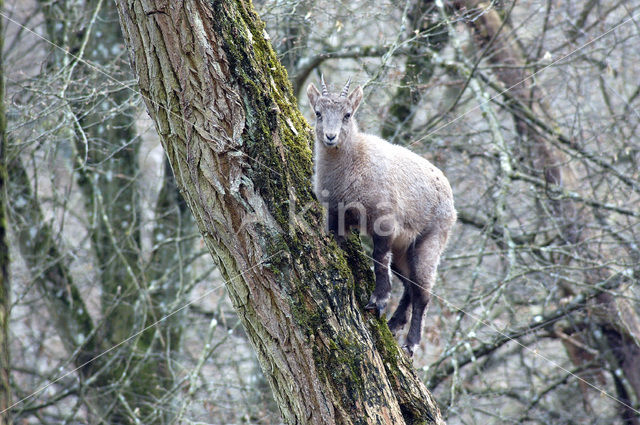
column 400, row 317
column 423, row 262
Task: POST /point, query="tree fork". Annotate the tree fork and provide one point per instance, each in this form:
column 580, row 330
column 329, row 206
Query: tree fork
column 240, row 152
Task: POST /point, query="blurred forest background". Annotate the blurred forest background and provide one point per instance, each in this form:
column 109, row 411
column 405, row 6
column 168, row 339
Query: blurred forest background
column 532, row 110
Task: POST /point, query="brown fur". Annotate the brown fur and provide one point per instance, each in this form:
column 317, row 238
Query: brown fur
column 399, row 198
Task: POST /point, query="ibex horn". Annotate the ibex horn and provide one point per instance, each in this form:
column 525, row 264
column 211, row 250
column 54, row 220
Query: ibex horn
column 325, row 92
column 345, row 90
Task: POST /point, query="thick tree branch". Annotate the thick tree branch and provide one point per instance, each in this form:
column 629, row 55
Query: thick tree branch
column 239, row 149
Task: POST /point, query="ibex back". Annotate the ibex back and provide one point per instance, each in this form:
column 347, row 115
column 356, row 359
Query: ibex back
column 399, row 198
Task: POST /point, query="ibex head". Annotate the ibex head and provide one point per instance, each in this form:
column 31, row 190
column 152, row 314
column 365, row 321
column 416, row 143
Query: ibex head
column 334, row 113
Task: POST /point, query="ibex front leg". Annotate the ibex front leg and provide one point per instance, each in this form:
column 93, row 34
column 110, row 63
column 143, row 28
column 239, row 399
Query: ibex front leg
column 381, row 267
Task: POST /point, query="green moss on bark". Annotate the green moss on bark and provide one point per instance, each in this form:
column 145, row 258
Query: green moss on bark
column 272, row 113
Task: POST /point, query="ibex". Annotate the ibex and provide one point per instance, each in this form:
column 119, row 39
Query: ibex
column 397, row 197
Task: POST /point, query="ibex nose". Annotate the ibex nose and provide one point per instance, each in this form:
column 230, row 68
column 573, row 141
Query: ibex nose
column 330, row 137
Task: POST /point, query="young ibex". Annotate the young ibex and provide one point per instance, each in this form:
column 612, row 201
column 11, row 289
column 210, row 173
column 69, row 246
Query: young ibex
column 397, row 197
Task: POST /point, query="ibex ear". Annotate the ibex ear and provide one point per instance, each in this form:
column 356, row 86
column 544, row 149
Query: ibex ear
column 313, row 94
column 355, row 98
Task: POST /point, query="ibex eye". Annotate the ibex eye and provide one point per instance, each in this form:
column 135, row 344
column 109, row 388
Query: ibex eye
column 347, row 116
column 318, row 115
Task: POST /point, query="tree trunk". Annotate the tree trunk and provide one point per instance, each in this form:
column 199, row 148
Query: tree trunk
column 240, row 152
column 5, row 284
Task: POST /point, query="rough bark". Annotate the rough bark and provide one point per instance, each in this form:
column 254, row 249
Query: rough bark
column 240, row 152
column 615, row 327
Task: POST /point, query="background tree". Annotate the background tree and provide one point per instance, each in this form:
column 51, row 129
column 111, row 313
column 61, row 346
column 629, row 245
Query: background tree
column 5, row 286
column 96, row 139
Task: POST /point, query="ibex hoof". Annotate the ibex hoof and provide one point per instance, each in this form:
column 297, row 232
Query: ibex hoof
column 409, row 349
column 394, row 327
column 376, row 306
